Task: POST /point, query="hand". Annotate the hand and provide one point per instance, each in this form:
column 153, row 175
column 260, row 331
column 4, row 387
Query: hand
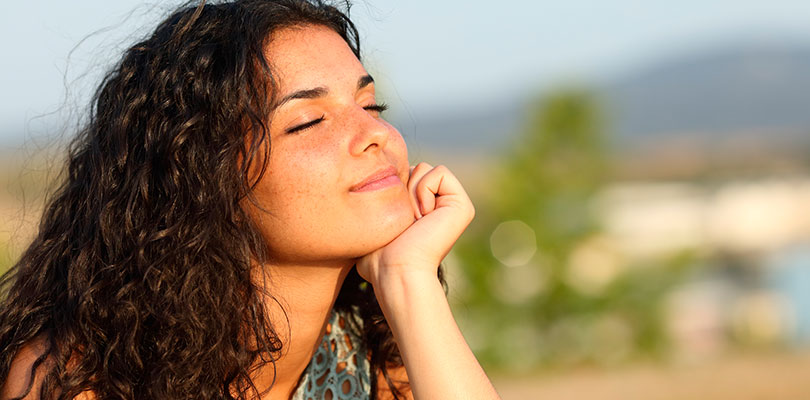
column 442, row 210
column 438, row 362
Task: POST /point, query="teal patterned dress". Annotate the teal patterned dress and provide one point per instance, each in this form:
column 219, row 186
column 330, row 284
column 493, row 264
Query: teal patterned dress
column 339, row 369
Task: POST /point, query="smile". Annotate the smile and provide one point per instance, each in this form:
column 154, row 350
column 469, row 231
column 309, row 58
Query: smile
column 385, row 178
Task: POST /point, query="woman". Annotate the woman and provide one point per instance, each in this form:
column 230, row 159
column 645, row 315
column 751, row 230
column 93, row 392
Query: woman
column 238, row 221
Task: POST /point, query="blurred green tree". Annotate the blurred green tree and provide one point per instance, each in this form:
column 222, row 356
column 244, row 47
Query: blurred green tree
column 543, row 286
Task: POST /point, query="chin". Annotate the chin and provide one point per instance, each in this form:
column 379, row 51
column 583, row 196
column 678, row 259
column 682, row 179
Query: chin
column 382, row 230
column 396, row 226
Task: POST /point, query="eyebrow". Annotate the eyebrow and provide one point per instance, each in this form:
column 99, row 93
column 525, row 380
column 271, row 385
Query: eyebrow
column 320, row 91
column 364, row 81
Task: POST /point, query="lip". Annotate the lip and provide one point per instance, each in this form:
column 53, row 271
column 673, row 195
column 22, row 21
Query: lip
column 382, row 178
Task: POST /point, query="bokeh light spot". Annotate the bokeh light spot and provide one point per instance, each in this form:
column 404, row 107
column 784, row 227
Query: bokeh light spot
column 513, row 243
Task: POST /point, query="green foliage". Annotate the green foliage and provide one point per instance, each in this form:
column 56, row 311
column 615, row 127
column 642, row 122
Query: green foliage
column 574, row 299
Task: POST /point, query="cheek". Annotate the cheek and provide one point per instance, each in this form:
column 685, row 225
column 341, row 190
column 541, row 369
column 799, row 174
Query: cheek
column 293, row 220
column 305, row 216
column 396, row 144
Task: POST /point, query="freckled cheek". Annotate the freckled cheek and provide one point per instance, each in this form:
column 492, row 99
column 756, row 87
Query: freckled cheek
column 309, row 173
column 293, row 206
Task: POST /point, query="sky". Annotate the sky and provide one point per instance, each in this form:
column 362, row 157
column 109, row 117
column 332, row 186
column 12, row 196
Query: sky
column 427, row 56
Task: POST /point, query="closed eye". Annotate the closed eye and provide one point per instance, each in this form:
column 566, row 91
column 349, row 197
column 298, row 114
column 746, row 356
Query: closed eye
column 305, row 125
column 378, row 108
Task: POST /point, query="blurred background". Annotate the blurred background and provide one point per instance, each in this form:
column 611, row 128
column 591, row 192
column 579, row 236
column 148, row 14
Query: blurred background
column 641, row 174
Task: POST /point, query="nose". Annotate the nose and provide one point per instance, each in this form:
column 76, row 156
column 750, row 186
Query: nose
column 372, row 132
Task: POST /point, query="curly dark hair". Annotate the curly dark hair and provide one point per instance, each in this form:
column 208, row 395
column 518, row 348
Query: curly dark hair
column 139, row 280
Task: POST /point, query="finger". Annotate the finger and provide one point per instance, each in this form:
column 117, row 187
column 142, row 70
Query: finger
column 438, row 188
column 425, row 195
column 417, row 172
column 442, row 182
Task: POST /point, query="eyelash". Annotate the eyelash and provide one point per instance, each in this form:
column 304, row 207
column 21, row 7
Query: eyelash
column 305, row 125
column 378, row 108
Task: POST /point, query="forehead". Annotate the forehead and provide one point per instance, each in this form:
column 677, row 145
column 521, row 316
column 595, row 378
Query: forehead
column 312, row 56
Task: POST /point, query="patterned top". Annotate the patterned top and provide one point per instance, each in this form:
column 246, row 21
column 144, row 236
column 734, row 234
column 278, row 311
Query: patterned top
column 339, row 369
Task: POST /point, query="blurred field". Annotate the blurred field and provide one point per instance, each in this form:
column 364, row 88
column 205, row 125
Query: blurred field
column 25, row 177
column 739, row 377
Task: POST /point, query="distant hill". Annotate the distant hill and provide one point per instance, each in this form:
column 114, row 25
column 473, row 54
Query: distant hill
column 755, row 92
column 718, row 94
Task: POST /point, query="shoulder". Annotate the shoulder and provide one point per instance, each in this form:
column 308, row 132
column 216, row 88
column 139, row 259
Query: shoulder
column 25, row 366
column 27, row 372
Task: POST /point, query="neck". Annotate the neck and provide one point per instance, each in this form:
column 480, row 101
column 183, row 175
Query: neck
column 302, row 298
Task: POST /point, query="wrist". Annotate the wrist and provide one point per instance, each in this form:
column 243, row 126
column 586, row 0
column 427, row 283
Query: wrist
column 403, row 288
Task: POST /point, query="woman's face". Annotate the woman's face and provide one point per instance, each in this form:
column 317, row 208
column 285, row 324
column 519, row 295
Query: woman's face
column 335, row 185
